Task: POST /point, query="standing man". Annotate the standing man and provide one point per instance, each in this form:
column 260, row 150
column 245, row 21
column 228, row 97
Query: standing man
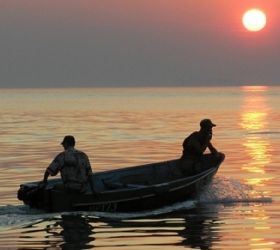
column 74, row 168
column 195, row 145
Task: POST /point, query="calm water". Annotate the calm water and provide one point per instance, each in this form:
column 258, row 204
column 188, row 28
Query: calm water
column 124, row 127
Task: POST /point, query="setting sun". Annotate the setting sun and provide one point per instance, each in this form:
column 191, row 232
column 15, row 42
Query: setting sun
column 254, row 20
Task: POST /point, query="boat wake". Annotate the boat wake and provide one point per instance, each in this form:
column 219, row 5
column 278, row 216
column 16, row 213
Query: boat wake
column 222, row 190
column 19, row 216
column 227, row 191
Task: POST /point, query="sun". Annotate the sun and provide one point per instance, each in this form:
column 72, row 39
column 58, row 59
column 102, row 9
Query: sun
column 254, row 20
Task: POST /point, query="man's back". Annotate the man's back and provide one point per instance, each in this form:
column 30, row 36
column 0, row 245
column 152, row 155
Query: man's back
column 74, row 167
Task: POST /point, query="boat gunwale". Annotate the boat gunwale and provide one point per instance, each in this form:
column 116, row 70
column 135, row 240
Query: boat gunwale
column 202, row 176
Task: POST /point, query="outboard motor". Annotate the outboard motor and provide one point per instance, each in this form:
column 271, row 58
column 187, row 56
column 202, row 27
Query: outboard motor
column 30, row 194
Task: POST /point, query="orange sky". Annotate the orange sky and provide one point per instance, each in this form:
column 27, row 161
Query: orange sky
column 136, row 43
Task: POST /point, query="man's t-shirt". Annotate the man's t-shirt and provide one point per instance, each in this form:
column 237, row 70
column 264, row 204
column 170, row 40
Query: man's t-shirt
column 74, row 167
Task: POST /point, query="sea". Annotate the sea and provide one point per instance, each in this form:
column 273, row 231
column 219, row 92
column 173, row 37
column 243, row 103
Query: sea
column 122, row 127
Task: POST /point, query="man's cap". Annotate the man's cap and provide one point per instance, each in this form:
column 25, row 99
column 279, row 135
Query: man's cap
column 207, row 123
column 69, row 139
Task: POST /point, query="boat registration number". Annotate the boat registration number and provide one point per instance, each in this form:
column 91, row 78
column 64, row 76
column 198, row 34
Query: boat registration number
column 106, row 207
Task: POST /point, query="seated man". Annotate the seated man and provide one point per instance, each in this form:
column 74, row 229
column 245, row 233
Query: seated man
column 194, row 146
column 74, row 168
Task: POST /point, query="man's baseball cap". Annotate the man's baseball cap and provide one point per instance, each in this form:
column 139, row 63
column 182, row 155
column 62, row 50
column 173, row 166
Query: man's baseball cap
column 69, row 139
column 207, row 123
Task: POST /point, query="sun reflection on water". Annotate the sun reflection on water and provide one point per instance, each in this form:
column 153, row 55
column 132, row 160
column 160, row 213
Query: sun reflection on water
column 255, row 122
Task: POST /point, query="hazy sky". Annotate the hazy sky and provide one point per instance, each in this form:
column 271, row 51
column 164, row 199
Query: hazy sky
column 60, row 43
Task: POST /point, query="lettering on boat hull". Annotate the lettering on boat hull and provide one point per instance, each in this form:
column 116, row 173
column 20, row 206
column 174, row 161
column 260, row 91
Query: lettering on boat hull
column 106, row 207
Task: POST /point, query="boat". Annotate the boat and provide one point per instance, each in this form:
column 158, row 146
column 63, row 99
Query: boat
column 128, row 189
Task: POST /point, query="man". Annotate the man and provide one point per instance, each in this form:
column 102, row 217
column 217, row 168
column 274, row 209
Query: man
column 195, row 145
column 74, row 168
